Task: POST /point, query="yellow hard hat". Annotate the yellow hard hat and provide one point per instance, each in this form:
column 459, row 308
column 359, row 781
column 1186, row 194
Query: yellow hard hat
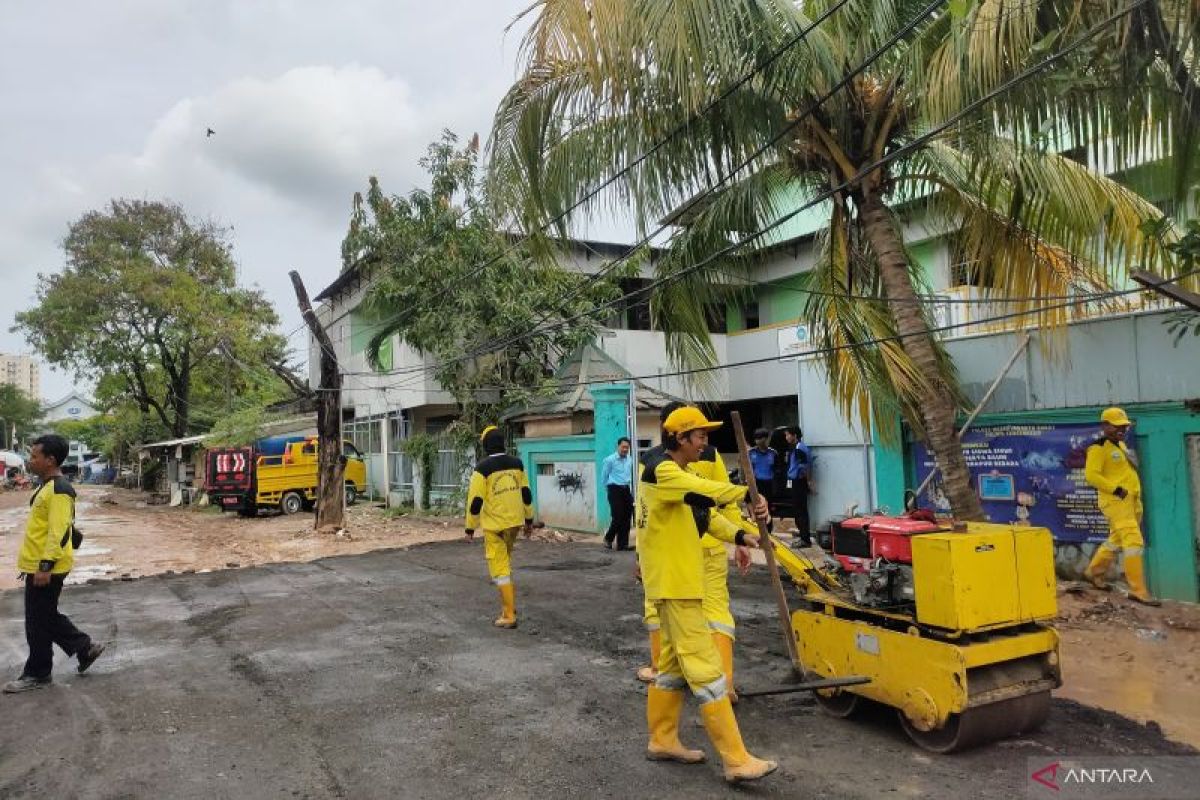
column 1115, row 416
column 483, row 434
column 688, row 418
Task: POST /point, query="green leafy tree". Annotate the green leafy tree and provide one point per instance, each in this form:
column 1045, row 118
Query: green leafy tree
column 605, row 80
column 18, row 412
column 148, row 304
column 426, row 251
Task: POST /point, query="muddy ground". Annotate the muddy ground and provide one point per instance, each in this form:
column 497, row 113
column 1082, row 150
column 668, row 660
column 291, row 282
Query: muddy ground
column 125, row 537
column 240, row 656
column 380, row 675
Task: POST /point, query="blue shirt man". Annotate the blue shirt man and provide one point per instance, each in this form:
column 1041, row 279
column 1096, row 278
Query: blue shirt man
column 799, row 475
column 799, row 461
column 617, row 469
column 763, row 458
column 616, row 476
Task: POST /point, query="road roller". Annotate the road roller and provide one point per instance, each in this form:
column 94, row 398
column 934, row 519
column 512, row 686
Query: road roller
column 948, row 623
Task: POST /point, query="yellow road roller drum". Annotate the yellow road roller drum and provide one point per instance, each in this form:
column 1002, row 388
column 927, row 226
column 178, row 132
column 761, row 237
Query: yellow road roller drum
column 956, row 641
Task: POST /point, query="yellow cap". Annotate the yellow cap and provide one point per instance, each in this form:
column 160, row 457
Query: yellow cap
column 1115, row 416
column 486, row 431
column 688, row 418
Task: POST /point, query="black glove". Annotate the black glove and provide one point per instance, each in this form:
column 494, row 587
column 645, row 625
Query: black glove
column 1120, row 492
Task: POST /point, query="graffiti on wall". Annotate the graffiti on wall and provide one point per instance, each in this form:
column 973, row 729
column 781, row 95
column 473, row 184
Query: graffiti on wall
column 566, row 495
column 570, row 483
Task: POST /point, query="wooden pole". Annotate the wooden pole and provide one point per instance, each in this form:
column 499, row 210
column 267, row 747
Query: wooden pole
column 768, row 545
column 1167, row 288
column 987, row 397
column 330, row 467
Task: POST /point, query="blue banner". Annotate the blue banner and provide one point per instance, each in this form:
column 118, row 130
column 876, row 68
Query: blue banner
column 1029, row 474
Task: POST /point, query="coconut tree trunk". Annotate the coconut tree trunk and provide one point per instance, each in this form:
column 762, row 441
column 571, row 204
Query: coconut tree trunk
column 938, row 410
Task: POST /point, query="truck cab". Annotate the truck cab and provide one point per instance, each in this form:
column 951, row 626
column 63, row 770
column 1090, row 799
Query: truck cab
column 244, row 479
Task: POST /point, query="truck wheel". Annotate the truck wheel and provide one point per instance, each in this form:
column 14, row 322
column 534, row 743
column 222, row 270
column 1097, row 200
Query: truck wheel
column 291, row 503
column 351, row 494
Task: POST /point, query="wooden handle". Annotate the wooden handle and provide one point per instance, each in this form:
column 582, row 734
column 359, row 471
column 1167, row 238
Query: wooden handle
column 764, row 538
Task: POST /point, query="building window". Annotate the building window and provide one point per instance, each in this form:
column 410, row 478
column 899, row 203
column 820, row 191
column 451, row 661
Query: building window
column 965, row 269
column 717, row 320
column 750, row 314
column 635, row 309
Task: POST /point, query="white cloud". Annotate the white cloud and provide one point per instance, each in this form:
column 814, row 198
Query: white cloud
column 307, row 99
column 307, row 135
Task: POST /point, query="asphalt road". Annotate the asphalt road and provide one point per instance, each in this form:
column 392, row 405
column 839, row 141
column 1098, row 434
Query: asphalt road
column 380, row 675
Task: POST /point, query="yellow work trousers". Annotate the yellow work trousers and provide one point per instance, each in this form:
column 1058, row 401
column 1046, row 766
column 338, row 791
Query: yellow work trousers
column 688, row 657
column 497, row 548
column 717, row 613
column 1124, row 524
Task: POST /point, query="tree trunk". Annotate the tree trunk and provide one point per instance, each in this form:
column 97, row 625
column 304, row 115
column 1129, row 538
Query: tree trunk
column 1173, row 58
column 938, row 410
column 331, row 471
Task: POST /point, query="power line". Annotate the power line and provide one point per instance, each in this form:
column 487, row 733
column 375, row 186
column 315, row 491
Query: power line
column 925, row 299
column 866, row 342
column 899, row 152
column 841, row 84
column 641, row 159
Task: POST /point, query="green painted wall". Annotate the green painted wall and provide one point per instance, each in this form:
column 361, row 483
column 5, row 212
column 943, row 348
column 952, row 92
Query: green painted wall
column 610, row 422
column 778, row 301
column 1160, row 429
column 557, row 448
column 362, row 327
column 927, row 255
column 783, row 301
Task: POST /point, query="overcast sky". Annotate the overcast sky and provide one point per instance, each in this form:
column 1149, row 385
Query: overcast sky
column 307, row 99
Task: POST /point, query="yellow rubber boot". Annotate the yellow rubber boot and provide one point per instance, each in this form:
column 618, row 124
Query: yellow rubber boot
column 724, row 647
column 1098, row 568
column 648, row 674
column 508, row 607
column 1135, row 573
column 662, row 717
column 722, row 728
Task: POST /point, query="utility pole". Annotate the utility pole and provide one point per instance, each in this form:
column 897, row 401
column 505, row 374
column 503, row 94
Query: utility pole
column 331, row 469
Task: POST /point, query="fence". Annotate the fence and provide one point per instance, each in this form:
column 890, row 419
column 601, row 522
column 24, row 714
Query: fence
column 449, row 475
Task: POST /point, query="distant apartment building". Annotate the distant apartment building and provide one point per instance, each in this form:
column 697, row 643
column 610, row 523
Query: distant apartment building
column 22, row 372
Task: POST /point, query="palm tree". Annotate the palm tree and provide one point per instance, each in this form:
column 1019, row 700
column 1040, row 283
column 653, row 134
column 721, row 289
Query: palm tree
column 604, row 80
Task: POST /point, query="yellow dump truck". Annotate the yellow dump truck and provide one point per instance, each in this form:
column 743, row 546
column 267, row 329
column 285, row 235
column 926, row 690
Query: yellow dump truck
column 245, row 479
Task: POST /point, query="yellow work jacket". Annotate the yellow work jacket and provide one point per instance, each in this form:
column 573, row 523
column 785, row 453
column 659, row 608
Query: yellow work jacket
column 712, row 467
column 499, row 495
column 51, row 512
column 672, row 505
column 1109, row 466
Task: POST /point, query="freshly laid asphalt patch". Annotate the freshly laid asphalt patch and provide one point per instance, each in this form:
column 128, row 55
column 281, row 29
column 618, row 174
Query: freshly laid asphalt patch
column 381, row 675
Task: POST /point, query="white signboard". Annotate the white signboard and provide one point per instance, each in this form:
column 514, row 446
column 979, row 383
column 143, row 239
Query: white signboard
column 793, row 341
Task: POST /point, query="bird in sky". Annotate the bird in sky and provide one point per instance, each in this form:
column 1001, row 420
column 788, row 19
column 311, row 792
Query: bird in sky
column 210, row 133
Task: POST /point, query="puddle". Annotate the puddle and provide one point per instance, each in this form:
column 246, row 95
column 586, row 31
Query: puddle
column 1141, row 679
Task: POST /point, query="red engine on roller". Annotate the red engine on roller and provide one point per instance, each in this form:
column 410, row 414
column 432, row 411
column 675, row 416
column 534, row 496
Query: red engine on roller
column 876, row 554
column 858, row 541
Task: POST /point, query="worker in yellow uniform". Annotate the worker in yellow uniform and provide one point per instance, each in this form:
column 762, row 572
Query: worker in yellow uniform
column 499, row 501
column 717, row 611
column 674, row 508
column 1111, row 471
